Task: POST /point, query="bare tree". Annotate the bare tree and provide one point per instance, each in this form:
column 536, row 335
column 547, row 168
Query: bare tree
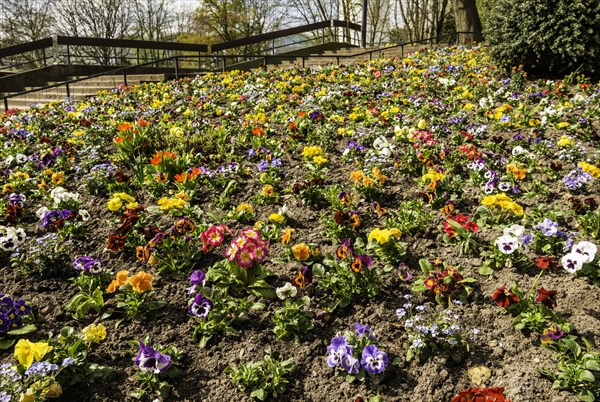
column 226, row 20
column 25, row 21
column 378, row 20
column 421, row 19
column 97, row 19
column 154, row 20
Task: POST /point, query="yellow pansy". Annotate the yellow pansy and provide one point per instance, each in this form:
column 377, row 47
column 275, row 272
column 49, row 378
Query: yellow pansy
column 26, row 351
column 276, row 218
column 565, row 141
column 589, row 168
column 114, row 204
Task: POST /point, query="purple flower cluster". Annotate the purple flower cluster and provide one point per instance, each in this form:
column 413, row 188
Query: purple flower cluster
column 576, row 179
column 88, row 264
column 40, row 369
column 341, row 353
column 55, row 219
column 11, row 313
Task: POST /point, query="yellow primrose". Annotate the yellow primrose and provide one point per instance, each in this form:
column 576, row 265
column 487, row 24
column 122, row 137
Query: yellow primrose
column 94, row 333
column 124, row 197
column 562, row 124
column 319, row 160
column 26, row 351
column 422, row 124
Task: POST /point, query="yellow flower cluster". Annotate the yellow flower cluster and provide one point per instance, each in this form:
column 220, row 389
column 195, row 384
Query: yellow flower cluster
column 116, row 202
column 565, row 141
column 367, row 181
column 309, row 152
column 245, row 208
column 167, row 204
column 502, row 201
column 589, row 168
column 433, row 177
column 94, row 333
column 382, row 236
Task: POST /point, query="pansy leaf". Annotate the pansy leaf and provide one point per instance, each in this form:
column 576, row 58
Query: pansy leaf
column 6, row 343
column 592, row 365
column 25, row 329
column 586, row 375
column 586, row 396
column 259, row 394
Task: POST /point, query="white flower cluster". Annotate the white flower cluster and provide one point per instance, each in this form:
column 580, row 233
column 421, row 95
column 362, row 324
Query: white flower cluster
column 19, row 159
column 59, row 194
column 583, row 252
column 510, row 241
column 11, row 238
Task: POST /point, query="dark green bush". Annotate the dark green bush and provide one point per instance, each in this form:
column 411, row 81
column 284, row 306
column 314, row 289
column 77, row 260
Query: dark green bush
column 546, row 36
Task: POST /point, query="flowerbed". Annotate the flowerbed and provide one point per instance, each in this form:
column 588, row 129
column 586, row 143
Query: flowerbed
column 401, row 230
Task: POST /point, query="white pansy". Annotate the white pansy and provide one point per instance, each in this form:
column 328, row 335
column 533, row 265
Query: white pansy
column 514, row 230
column 586, row 249
column 572, row 262
column 507, row 244
column 287, row 290
column 41, row 212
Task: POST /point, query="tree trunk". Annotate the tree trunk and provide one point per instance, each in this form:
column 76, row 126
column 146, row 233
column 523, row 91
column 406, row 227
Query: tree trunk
column 467, row 20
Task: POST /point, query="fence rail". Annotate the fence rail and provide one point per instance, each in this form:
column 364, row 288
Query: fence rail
column 218, row 62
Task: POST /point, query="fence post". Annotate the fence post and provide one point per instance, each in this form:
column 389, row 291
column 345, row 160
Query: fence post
column 273, row 45
column 68, row 89
column 68, row 54
column 5, row 103
column 176, row 67
column 44, row 56
column 125, row 77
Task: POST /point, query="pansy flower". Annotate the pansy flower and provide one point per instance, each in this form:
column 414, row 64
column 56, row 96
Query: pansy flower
column 587, row 249
column 200, row 306
column 572, row 262
column 505, row 298
column 337, row 350
column 373, row 360
column 152, row 361
column 507, row 244
column 303, row 277
column 547, row 297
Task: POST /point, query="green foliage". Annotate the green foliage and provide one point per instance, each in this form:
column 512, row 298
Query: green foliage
column 578, row 370
column 226, row 313
column 292, row 321
column 263, row 378
column 556, row 36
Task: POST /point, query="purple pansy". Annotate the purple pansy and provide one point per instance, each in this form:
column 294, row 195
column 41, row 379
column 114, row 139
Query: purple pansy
column 373, row 360
column 201, row 306
column 336, row 351
column 151, row 360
